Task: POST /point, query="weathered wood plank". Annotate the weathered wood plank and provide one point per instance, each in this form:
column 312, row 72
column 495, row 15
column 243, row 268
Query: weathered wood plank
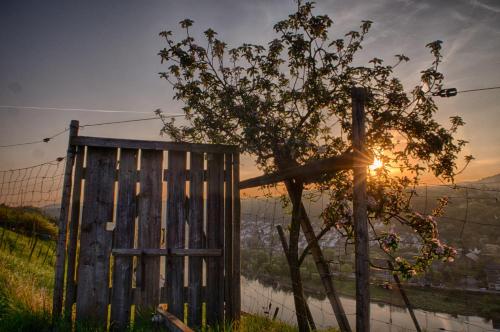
column 185, row 290
column 188, row 173
column 176, row 227
column 195, row 238
column 312, row 170
column 151, row 145
column 215, row 239
column 149, row 234
column 95, row 240
column 169, row 252
column 362, row 261
column 73, row 232
column 172, row 323
column 228, row 236
column 121, row 298
column 57, row 299
column 236, row 283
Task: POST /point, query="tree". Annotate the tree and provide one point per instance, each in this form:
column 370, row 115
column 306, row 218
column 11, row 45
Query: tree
column 280, row 102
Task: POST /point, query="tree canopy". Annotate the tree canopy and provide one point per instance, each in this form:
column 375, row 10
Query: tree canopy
column 289, row 102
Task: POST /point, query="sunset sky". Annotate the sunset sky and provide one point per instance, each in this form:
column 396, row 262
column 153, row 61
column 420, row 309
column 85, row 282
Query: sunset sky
column 103, row 55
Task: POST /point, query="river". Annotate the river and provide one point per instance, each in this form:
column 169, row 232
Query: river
column 256, row 298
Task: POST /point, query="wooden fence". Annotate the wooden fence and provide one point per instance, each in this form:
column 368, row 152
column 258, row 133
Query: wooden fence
column 136, row 211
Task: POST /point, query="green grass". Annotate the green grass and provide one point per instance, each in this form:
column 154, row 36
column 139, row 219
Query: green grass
column 25, row 285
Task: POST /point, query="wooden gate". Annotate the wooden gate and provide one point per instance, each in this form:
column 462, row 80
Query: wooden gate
column 144, row 223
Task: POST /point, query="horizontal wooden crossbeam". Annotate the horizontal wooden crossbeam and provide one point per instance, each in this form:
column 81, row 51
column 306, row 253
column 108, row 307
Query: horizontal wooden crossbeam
column 187, row 173
column 168, row 252
column 312, row 170
column 151, row 145
column 135, row 291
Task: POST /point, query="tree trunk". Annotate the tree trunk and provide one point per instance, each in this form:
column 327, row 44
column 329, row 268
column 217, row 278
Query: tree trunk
column 293, row 261
column 319, row 260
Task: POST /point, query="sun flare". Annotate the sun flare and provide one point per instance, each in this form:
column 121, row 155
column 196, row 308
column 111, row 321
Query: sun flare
column 377, row 163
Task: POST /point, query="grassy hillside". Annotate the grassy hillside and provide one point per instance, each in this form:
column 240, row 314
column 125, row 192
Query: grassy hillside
column 28, row 220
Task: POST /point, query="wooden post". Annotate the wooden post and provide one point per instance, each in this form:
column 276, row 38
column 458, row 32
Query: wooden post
column 236, row 282
column 405, row 298
column 73, row 232
column 57, row 299
column 228, row 236
column 360, row 214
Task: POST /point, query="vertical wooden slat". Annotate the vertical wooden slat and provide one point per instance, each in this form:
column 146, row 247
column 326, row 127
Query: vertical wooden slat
column 176, row 205
column 121, row 298
column 215, row 239
column 195, row 239
column 360, row 214
column 57, row 298
column 95, row 241
column 73, row 232
column 228, row 236
column 236, row 283
column 148, row 274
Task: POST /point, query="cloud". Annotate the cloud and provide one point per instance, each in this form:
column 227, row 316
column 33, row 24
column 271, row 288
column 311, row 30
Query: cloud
column 460, row 17
column 485, row 6
column 462, row 40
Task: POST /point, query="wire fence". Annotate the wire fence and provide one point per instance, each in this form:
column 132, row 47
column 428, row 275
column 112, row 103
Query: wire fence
column 471, row 224
column 37, row 185
column 29, row 205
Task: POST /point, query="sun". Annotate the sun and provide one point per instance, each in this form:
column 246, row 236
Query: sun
column 377, row 163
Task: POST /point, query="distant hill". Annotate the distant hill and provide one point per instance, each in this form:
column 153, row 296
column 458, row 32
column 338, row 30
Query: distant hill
column 493, row 181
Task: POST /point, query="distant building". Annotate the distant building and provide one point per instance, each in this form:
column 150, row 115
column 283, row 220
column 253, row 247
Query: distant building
column 493, row 276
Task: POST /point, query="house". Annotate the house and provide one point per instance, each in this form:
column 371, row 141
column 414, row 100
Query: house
column 493, row 276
